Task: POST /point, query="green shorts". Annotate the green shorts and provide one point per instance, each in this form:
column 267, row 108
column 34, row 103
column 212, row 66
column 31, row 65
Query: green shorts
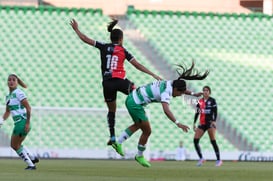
column 136, row 111
column 19, row 128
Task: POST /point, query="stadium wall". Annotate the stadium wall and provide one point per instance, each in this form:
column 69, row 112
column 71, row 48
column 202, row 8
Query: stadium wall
column 59, row 152
column 119, row 7
column 20, row 2
column 109, row 153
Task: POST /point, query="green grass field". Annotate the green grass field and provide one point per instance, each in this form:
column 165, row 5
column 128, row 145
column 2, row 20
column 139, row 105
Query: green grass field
column 120, row 170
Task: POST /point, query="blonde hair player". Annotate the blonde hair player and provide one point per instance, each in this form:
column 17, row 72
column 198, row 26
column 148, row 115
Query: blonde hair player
column 17, row 105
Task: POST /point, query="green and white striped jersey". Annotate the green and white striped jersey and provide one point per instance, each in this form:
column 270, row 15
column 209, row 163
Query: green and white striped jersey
column 13, row 101
column 157, row 91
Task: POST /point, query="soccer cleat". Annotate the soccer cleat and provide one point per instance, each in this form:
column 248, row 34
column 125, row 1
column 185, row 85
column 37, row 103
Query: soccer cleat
column 200, row 162
column 109, row 143
column 118, row 148
column 35, row 160
column 142, row 161
column 218, row 163
column 30, row 168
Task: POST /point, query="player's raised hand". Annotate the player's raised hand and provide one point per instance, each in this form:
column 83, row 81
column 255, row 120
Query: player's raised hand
column 157, row 77
column 74, row 24
column 198, row 94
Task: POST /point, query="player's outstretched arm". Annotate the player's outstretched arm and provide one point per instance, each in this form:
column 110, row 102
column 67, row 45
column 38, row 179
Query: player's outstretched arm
column 82, row 36
column 142, row 68
column 170, row 115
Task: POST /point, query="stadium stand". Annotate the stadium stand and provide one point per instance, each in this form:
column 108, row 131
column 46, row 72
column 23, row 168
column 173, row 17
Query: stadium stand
column 62, row 72
column 235, row 47
column 39, row 45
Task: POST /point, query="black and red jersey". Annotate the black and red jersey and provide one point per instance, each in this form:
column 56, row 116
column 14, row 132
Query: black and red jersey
column 207, row 110
column 112, row 60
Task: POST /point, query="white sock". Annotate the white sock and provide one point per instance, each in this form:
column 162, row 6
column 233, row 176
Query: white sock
column 141, row 149
column 31, row 156
column 23, row 154
column 123, row 137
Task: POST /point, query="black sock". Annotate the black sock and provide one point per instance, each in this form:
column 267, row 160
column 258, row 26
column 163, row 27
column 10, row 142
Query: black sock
column 197, row 148
column 216, row 149
column 111, row 124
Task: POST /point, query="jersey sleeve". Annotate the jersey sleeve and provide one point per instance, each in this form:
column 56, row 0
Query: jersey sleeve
column 21, row 95
column 99, row 44
column 128, row 55
column 214, row 110
column 165, row 97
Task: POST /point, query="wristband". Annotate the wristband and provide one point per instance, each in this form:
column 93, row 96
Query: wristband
column 192, row 93
column 176, row 122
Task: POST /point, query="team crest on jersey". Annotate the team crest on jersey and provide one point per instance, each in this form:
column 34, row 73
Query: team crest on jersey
column 110, row 49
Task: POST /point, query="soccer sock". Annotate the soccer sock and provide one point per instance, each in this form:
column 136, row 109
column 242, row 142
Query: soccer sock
column 197, row 148
column 22, row 153
column 216, row 149
column 141, row 149
column 30, row 155
column 124, row 135
column 111, row 124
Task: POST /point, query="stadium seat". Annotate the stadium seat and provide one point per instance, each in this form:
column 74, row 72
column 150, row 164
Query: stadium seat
column 221, row 42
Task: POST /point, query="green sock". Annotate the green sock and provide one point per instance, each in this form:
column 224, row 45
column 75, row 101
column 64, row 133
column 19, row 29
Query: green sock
column 129, row 132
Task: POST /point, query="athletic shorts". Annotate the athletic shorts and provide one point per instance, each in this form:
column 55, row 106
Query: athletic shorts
column 112, row 86
column 136, row 111
column 205, row 127
column 19, row 128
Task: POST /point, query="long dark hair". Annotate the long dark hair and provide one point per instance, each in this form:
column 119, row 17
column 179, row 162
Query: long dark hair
column 187, row 74
column 190, row 73
column 115, row 34
column 207, row 87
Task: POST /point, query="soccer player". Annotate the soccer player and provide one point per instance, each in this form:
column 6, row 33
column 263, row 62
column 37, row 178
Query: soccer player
column 207, row 109
column 114, row 78
column 159, row 92
column 17, row 105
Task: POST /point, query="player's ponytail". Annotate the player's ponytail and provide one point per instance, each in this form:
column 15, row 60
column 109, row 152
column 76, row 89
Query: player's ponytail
column 111, row 25
column 190, row 73
column 20, row 82
column 115, row 34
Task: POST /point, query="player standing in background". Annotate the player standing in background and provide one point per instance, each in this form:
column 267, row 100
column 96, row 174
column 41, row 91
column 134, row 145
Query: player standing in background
column 17, row 105
column 113, row 56
column 159, row 92
column 181, row 152
column 207, row 108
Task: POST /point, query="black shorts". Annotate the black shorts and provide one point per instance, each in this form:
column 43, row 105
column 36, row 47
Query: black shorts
column 205, row 127
column 112, row 86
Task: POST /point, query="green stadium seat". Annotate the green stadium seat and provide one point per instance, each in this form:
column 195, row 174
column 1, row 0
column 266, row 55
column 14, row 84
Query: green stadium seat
column 222, row 42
